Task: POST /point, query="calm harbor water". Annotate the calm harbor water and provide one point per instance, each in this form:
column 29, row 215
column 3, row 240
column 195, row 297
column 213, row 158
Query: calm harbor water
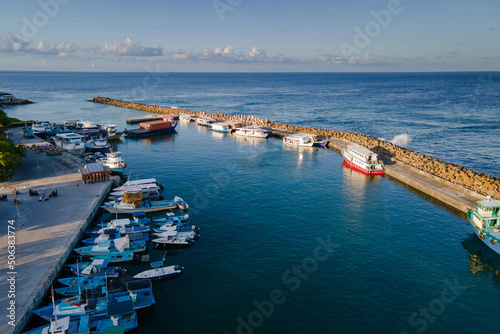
column 292, row 241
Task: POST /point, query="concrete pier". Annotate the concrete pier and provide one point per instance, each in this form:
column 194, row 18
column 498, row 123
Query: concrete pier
column 429, row 175
column 45, row 232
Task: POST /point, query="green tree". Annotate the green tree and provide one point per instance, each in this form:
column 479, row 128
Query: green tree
column 10, row 154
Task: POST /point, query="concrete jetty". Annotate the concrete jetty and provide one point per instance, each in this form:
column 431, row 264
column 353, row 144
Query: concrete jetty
column 427, row 174
column 44, row 232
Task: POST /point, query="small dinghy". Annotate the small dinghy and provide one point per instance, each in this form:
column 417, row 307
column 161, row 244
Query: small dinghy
column 95, row 268
column 181, row 204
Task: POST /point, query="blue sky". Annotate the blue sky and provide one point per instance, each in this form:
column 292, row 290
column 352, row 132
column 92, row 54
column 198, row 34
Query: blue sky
column 250, row 35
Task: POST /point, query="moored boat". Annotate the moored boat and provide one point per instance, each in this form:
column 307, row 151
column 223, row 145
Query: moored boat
column 205, row 121
column 152, row 128
column 70, row 142
column 299, row 140
column 100, row 145
column 114, row 161
column 485, row 222
column 184, row 117
column 158, row 271
column 132, row 201
column 95, row 268
column 251, row 131
column 363, row 160
column 221, row 127
column 181, row 204
column 112, row 134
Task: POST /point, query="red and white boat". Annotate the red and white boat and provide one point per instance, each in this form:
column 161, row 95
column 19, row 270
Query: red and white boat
column 363, row 160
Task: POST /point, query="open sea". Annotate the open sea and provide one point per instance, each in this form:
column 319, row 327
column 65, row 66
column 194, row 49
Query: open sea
column 291, row 240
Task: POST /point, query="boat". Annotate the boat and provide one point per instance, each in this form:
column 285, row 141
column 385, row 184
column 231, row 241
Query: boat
column 120, row 315
column 299, row 140
column 185, row 118
column 75, row 290
column 139, row 292
column 319, row 141
column 115, row 257
column 112, row 247
column 363, row 160
column 123, row 226
column 100, row 145
column 95, row 268
column 112, row 134
column 158, row 271
column 132, row 201
column 152, row 128
column 181, row 204
column 174, row 240
column 71, row 142
column 204, row 121
column 177, row 230
column 63, row 325
column 114, row 161
column 28, row 133
column 147, row 118
column 485, row 222
column 170, row 219
column 82, row 281
column 87, row 125
column 41, row 128
column 221, row 127
column 138, row 183
column 251, row 131
column 114, row 233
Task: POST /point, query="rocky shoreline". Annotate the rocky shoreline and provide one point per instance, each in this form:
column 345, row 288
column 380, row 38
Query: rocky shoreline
column 481, row 183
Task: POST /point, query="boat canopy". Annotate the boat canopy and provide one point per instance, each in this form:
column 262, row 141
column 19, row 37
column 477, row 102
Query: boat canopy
column 489, row 203
column 122, row 243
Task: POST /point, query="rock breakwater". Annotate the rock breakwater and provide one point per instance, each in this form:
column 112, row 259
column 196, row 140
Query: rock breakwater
column 479, row 182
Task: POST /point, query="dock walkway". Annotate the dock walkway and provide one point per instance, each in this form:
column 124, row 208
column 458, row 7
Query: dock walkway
column 45, row 232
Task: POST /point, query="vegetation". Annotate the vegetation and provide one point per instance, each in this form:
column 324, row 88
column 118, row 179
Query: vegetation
column 10, row 153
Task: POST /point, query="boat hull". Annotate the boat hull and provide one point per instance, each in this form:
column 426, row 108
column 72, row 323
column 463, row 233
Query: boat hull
column 492, row 243
column 358, row 168
column 141, row 134
column 115, row 137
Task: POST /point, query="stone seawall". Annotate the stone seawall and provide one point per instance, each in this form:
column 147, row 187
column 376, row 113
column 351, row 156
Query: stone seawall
column 479, row 182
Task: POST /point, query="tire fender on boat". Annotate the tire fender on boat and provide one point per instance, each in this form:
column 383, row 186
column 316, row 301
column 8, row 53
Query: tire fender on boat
column 492, row 241
column 481, row 235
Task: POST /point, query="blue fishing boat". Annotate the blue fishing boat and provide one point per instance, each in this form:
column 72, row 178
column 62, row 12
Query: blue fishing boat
column 100, row 145
column 120, row 314
column 83, row 281
column 111, row 234
column 63, row 325
column 113, row 247
column 95, row 268
column 123, row 226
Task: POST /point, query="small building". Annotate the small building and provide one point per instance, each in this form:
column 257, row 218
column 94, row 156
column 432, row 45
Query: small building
column 7, row 97
column 95, row 172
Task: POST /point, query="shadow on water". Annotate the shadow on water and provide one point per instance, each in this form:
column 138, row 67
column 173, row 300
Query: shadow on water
column 435, row 201
column 482, row 260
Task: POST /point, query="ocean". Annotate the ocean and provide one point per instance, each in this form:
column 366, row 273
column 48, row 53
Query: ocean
column 291, row 240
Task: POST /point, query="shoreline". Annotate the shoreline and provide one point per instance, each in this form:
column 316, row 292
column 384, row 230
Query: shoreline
column 401, row 163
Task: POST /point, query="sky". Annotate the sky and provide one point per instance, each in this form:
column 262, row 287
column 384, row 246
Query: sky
column 250, row 35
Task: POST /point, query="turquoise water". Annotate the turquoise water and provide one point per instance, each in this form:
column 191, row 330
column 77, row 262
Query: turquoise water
column 292, row 241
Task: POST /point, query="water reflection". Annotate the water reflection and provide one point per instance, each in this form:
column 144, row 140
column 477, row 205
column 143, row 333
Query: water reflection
column 167, row 139
column 302, row 152
column 481, row 259
column 253, row 141
column 357, row 179
column 217, row 135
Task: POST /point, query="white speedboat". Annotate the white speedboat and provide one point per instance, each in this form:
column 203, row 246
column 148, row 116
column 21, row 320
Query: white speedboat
column 251, row 131
column 112, row 133
column 363, row 160
column 203, row 121
column 173, row 240
column 159, row 271
column 71, row 142
column 185, row 118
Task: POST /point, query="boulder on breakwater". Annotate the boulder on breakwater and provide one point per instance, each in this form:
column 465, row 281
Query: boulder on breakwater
column 479, row 182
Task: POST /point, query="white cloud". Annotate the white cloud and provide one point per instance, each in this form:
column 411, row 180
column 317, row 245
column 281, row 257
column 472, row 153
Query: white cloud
column 128, row 48
column 61, row 49
column 11, row 43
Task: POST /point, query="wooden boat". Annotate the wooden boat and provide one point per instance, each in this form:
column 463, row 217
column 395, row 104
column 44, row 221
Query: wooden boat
column 152, row 128
column 319, row 141
column 485, row 222
column 132, row 201
column 251, row 131
column 363, row 160
column 299, row 140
